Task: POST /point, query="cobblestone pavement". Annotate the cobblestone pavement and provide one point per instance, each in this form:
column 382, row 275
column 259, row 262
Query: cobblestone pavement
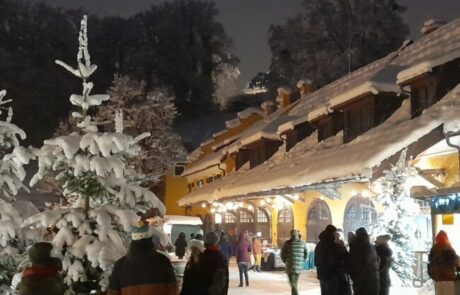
column 276, row 282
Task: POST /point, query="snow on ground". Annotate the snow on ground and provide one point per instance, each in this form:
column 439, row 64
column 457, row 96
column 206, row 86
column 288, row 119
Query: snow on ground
column 276, row 282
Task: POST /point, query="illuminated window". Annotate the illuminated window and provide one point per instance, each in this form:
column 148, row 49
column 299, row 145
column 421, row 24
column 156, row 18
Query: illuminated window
column 218, row 218
column 285, row 215
column 359, row 212
column 262, row 216
column 229, row 218
column 246, row 217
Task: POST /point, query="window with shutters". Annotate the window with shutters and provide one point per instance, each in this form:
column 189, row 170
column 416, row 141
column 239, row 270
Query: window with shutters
column 359, row 118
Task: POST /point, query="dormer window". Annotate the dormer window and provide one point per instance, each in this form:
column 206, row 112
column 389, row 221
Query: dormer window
column 329, row 125
column 299, row 133
column 358, row 119
column 423, row 96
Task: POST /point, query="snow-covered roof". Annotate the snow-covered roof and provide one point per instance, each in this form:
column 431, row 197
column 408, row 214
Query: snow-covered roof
column 243, row 115
column 266, row 128
column 432, row 50
column 375, row 77
column 210, row 160
column 309, row 163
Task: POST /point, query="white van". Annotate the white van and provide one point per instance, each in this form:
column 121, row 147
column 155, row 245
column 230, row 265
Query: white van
column 176, row 224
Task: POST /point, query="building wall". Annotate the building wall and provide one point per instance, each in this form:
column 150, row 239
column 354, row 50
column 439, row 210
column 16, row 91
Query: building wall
column 176, row 187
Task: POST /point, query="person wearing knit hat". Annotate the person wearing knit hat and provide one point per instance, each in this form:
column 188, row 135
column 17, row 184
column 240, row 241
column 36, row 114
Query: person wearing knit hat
column 442, row 264
column 42, row 278
column 212, row 269
column 141, row 231
column 197, row 244
column 142, row 270
column 211, row 238
column 191, row 273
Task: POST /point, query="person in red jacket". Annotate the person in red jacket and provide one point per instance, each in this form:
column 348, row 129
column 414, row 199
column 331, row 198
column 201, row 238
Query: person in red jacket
column 442, row 264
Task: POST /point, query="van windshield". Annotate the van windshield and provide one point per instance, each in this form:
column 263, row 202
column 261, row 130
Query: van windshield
column 188, row 229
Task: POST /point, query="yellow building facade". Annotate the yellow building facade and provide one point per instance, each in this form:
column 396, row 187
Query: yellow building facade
column 317, row 160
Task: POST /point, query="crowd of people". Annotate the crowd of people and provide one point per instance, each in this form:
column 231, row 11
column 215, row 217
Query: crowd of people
column 360, row 269
column 357, row 267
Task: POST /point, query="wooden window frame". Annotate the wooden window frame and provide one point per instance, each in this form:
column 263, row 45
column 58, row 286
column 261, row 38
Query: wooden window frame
column 359, row 117
column 428, row 85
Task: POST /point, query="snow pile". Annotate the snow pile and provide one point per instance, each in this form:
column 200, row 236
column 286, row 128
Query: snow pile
column 101, row 189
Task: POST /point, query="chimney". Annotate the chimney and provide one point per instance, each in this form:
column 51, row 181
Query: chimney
column 268, row 107
column 432, row 25
column 284, row 97
column 305, row 87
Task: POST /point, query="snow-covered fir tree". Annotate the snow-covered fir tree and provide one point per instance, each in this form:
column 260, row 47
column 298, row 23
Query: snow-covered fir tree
column 224, row 77
column 12, row 158
column 154, row 112
column 90, row 233
column 143, row 111
column 397, row 217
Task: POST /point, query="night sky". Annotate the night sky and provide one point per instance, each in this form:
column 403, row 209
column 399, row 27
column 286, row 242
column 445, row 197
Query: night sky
column 247, row 21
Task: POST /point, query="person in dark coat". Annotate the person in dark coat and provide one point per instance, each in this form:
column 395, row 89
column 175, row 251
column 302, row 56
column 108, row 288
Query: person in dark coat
column 43, row 277
column 212, row 269
column 326, row 256
column 225, row 247
column 442, row 264
column 294, row 254
column 385, row 255
column 243, row 258
column 364, row 265
column 343, row 279
column 142, row 270
column 181, row 246
column 191, row 273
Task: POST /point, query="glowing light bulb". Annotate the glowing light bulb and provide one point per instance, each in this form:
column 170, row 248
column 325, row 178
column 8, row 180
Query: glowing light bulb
column 262, row 202
column 203, row 205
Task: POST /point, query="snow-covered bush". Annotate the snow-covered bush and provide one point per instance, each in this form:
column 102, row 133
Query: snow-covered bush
column 103, row 196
